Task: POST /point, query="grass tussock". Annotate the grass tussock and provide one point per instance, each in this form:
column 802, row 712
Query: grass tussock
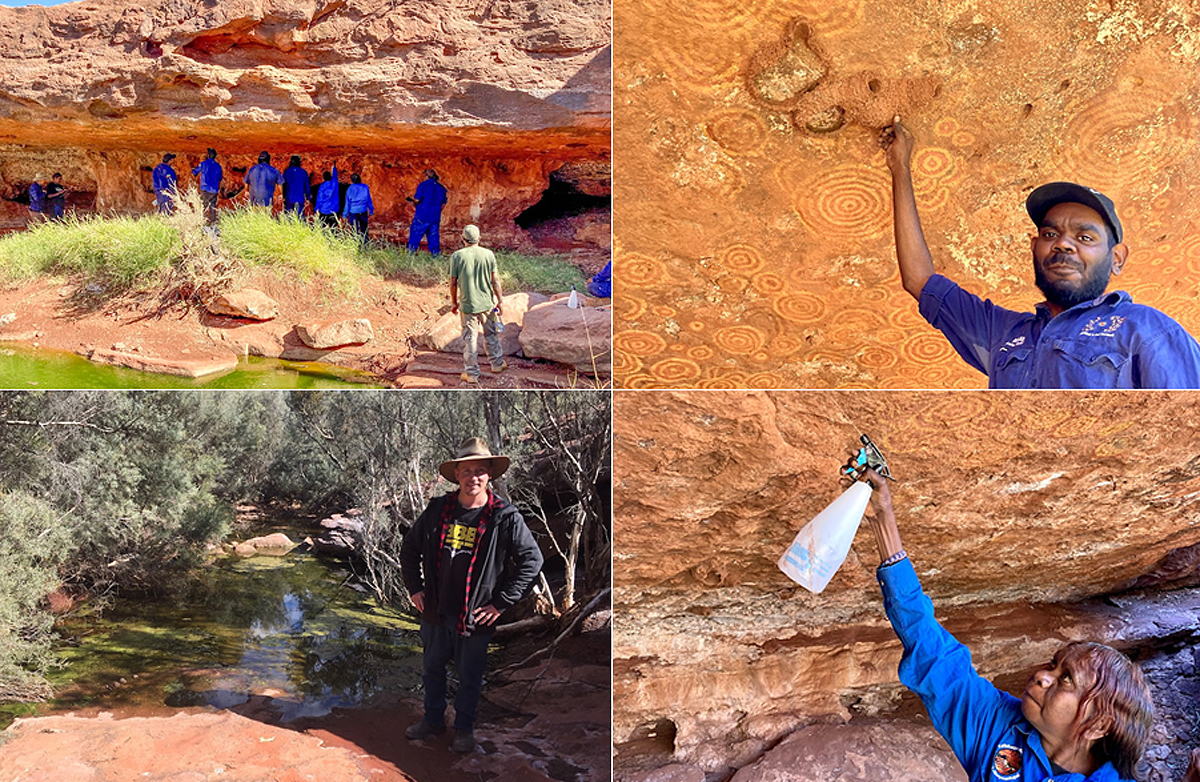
column 177, row 255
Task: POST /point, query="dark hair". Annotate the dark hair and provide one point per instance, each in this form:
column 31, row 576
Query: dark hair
column 328, row 176
column 56, row 175
column 1118, row 695
column 212, row 152
column 295, row 161
column 264, row 157
column 356, row 179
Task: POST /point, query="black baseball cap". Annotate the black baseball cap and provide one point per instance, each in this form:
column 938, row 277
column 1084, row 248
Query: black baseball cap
column 1049, row 195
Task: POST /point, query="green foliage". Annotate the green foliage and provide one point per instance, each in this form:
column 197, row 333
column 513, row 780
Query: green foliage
column 32, row 544
column 309, row 250
column 518, row 272
column 116, row 252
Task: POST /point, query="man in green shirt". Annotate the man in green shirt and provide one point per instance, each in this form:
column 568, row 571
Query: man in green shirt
column 476, row 296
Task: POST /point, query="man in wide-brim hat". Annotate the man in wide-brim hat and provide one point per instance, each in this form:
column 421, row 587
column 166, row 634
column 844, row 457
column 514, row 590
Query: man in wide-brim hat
column 467, row 559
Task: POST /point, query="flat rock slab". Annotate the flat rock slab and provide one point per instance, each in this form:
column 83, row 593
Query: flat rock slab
column 580, row 337
column 446, row 334
column 183, row 748
column 880, row 752
column 328, row 334
column 245, row 303
column 183, row 367
column 275, row 543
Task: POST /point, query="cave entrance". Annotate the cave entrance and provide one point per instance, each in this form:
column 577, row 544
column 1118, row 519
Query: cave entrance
column 560, row 200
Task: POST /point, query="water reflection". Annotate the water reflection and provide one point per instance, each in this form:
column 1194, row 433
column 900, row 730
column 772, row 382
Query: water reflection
column 289, row 629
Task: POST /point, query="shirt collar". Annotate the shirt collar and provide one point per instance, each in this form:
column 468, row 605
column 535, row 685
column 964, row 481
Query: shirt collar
column 1111, row 298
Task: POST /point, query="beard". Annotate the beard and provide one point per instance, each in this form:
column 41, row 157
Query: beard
column 1065, row 293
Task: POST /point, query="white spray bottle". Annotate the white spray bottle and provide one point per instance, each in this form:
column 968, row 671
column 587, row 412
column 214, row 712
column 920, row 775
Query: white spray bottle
column 821, row 546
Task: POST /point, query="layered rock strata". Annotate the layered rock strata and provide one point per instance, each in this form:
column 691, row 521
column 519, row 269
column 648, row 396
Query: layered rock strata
column 1029, row 518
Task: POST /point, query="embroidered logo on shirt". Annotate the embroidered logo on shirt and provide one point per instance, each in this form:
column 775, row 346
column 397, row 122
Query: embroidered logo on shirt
column 1006, row 763
column 1012, row 343
column 1103, row 326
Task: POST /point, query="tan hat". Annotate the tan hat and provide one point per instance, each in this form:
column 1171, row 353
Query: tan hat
column 471, row 234
column 39, row 177
column 473, row 450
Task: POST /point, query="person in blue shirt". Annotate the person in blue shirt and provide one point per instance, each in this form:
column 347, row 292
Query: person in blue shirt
column 56, row 197
column 261, row 181
column 296, row 189
column 600, row 285
column 164, row 180
column 210, row 174
column 1085, row 715
column 427, row 217
column 37, row 200
column 1080, row 336
column 358, row 206
column 326, row 204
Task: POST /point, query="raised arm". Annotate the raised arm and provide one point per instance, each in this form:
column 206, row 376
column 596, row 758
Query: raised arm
column 912, row 252
column 883, row 521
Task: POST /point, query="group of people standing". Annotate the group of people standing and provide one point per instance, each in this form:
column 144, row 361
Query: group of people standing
column 47, row 200
column 329, row 204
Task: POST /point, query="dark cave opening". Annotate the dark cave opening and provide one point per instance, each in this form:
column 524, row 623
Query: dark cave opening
column 559, row 200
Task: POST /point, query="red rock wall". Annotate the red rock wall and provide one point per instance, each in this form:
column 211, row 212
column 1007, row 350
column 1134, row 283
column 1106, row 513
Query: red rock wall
column 495, row 98
column 1004, row 500
column 754, row 234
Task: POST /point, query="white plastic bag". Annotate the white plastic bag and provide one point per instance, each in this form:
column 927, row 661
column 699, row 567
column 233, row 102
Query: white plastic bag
column 820, row 548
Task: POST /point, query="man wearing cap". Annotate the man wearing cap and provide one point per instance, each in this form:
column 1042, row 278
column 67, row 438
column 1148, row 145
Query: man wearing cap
column 37, row 200
column 164, row 180
column 467, row 559
column 210, row 174
column 262, row 179
column 476, row 295
column 1080, row 336
column 427, row 217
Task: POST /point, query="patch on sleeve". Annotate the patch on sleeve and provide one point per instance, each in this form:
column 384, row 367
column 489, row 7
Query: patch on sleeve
column 1006, row 763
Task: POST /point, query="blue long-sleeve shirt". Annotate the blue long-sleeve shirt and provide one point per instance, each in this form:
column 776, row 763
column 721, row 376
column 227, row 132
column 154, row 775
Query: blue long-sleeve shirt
column 1108, row 342
column 37, row 198
column 210, row 175
column 296, row 188
column 983, row 725
column 358, row 200
column 261, row 181
column 327, row 196
column 164, row 177
column 430, row 198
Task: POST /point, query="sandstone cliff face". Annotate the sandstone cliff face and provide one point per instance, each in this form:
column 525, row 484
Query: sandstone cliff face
column 495, row 96
column 1019, row 512
column 755, row 242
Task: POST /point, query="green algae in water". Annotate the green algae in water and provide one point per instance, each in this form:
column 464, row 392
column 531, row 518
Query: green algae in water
column 26, row 367
column 287, row 628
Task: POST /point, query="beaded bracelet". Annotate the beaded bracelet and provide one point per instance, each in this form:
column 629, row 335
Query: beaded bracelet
column 894, row 558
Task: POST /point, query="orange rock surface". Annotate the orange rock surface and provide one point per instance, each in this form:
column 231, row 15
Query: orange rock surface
column 1019, row 512
column 495, row 99
column 753, row 226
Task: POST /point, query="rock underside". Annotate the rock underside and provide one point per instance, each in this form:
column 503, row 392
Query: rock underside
column 509, row 103
column 1032, row 519
column 755, row 244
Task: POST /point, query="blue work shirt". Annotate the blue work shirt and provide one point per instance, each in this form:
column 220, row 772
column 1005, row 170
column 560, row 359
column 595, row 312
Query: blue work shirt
column 296, row 189
column 164, row 177
column 358, row 200
column 327, row 196
column 37, row 198
column 983, row 725
column 1108, row 342
column 210, row 175
column 261, row 181
column 430, row 197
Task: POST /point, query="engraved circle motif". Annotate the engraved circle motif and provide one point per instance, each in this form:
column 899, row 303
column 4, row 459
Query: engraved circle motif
column 844, row 202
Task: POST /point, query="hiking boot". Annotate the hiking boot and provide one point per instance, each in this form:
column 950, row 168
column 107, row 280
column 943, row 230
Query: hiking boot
column 473, row 381
column 423, row 730
column 498, row 369
column 464, row 742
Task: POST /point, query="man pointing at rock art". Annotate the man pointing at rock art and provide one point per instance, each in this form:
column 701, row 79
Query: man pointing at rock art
column 1080, row 336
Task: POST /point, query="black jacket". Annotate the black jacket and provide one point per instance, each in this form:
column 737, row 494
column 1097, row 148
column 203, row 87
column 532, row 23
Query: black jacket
column 508, row 563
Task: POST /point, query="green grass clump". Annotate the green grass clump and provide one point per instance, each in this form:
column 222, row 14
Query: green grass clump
column 518, row 272
column 118, row 252
column 287, row 242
